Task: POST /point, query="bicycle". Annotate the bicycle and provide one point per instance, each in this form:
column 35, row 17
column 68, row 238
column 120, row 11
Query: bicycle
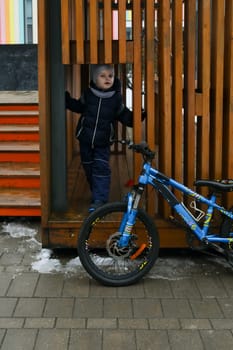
column 119, row 243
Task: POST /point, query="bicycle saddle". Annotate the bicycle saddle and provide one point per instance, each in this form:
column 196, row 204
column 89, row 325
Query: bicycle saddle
column 217, row 185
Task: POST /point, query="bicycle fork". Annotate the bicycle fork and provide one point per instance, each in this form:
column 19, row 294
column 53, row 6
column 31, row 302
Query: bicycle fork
column 129, row 217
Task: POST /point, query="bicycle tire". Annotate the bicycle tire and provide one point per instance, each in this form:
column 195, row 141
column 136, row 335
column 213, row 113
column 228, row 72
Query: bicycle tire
column 99, row 254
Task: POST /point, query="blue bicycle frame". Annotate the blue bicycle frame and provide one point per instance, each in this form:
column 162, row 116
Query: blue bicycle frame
column 161, row 182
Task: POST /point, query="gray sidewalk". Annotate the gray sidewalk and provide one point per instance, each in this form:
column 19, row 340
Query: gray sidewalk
column 186, row 302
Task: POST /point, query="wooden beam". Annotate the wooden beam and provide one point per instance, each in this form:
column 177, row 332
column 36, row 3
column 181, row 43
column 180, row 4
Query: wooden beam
column 177, row 92
column 65, row 31
column 108, row 31
column 189, row 92
column 79, row 31
column 165, row 131
column 94, row 28
column 44, row 111
column 137, row 80
column 122, row 31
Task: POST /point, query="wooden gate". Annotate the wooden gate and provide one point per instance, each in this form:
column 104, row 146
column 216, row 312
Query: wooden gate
column 181, row 57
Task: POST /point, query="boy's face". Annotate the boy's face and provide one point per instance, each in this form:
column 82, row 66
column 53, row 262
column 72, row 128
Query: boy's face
column 105, row 79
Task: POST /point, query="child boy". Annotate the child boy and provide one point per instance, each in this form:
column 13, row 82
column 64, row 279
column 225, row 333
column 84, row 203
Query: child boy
column 101, row 105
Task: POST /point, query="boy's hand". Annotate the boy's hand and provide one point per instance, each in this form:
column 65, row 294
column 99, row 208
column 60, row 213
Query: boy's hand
column 143, row 115
column 67, row 95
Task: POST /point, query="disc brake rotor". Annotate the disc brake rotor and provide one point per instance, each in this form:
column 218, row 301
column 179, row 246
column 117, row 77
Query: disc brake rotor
column 114, row 250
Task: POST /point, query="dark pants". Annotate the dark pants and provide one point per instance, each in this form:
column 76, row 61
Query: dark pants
column 95, row 162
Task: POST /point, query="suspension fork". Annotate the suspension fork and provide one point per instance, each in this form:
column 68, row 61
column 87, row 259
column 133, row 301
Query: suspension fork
column 129, row 218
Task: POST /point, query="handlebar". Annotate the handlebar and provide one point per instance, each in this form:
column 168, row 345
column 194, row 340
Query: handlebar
column 143, row 148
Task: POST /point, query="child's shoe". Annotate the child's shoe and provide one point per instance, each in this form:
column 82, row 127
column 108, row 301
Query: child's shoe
column 96, row 204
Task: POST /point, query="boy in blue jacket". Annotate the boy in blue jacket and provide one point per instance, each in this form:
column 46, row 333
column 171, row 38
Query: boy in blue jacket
column 101, row 105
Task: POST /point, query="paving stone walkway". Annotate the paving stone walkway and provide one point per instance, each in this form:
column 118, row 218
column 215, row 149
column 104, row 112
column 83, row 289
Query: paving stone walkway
column 186, row 302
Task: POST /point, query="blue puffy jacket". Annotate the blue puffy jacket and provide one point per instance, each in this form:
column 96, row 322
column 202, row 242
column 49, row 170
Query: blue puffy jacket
column 99, row 112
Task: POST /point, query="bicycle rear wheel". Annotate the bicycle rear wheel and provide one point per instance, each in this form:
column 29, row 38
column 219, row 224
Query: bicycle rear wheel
column 100, row 254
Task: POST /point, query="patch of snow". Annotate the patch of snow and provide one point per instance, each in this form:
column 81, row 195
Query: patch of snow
column 18, row 230
column 45, row 264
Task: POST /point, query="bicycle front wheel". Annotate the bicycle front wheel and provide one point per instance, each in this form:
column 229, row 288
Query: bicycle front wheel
column 100, row 254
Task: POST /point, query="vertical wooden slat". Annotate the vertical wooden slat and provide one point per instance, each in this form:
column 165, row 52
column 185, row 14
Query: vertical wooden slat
column 165, row 139
column 177, row 91
column 203, row 130
column 216, row 100
column 44, row 112
column 137, row 87
column 122, row 31
column 150, row 85
column 79, row 31
column 150, row 73
column 107, row 31
column 189, row 91
column 65, row 31
column 94, row 25
column 228, row 97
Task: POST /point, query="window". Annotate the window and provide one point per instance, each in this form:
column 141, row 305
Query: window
column 18, row 21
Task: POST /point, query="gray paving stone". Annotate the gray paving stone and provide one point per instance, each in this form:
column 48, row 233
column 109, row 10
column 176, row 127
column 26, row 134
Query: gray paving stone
column 7, row 306
column 5, row 279
column 8, row 244
column 147, row 308
column 17, row 269
column 226, row 305
column 226, row 323
column 2, row 333
column 185, row 288
column 30, row 307
column 164, row 323
column 59, row 307
column 51, row 339
column 83, row 339
column 129, row 323
column 49, row 286
column 32, row 322
column 97, row 290
column 134, row 291
column 76, row 287
column 103, row 323
column 193, row 324
column 176, row 308
column 206, row 308
column 185, row 339
column 19, row 339
column 218, row 339
column 157, row 288
column 10, row 259
column 23, row 285
column 86, row 307
column 119, row 339
column 71, row 323
column 211, row 287
column 152, row 340
column 11, row 322
column 227, row 281
column 118, row 308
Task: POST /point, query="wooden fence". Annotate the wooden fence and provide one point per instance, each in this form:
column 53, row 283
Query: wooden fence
column 181, row 53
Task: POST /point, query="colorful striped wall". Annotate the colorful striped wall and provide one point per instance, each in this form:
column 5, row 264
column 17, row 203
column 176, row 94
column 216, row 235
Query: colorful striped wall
column 13, row 21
